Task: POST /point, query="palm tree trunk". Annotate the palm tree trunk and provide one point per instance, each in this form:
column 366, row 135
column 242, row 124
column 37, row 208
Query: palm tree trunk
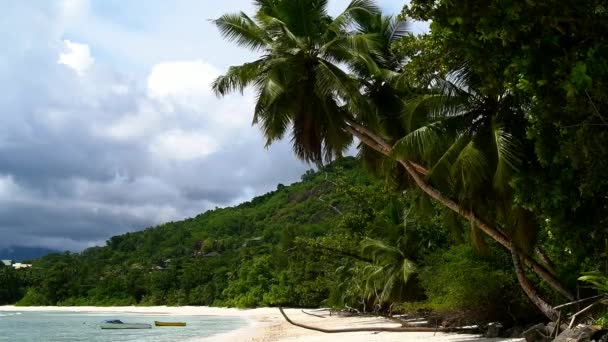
column 486, row 228
column 377, row 143
column 529, row 290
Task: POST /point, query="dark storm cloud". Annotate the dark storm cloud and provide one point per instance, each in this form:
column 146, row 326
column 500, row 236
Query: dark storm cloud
column 85, row 155
column 124, row 132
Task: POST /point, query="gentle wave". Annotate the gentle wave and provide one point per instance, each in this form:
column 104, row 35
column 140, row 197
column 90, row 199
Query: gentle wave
column 10, row 314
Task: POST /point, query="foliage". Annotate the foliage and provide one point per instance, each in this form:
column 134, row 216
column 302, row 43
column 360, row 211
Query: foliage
column 602, row 321
column 13, row 284
column 457, row 279
column 599, row 281
column 551, row 56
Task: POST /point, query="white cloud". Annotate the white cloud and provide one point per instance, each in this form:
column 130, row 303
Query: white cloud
column 182, row 145
column 146, row 120
column 8, row 187
column 181, row 79
column 73, row 8
column 76, row 56
column 120, row 89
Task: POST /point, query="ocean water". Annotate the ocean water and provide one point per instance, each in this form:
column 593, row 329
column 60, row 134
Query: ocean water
column 77, row 326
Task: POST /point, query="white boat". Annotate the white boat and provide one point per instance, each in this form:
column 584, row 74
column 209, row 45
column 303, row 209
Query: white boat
column 118, row 324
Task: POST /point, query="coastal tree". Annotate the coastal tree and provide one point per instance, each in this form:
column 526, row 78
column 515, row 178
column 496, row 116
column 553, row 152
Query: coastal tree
column 302, row 53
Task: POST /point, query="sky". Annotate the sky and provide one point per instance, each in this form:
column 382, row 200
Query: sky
column 108, row 123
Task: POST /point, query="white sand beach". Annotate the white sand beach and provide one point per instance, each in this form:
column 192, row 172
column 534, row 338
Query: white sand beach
column 267, row 324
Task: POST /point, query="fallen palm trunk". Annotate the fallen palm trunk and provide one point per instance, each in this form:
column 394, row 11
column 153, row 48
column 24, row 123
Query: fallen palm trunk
column 376, row 329
column 311, row 314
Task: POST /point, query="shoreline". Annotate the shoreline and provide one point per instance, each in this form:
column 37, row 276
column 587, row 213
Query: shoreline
column 267, row 324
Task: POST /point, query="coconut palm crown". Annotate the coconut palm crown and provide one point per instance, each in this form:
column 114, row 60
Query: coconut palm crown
column 300, row 79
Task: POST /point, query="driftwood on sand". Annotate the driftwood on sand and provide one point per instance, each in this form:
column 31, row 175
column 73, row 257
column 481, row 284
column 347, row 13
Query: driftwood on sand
column 596, row 300
column 375, row 329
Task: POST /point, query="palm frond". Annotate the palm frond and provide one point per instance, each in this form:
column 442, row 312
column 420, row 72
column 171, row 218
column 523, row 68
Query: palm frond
column 280, row 32
column 419, row 143
column 357, row 9
column 237, row 78
column 523, row 229
column 441, row 173
column 478, row 241
column 408, row 268
column 242, row 30
column 379, row 251
column 331, row 79
column 274, row 117
column 470, row 169
column 452, row 222
column 397, row 29
column 508, row 157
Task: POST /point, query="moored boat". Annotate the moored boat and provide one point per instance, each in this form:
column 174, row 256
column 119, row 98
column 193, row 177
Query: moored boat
column 169, row 324
column 118, row 324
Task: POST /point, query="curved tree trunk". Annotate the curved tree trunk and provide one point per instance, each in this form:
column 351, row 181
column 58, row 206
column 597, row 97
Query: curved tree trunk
column 378, row 144
column 544, row 259
column 486, row 228
column 529, row 290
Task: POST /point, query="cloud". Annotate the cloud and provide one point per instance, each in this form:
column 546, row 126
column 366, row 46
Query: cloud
column 181, row 79
column 109, row 124
column 182, row 145
column 8, row 187
column 90, row 148
column 77, row 56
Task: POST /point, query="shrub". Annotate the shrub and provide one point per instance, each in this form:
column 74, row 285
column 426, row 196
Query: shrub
column 468, row 288
column 33, row 298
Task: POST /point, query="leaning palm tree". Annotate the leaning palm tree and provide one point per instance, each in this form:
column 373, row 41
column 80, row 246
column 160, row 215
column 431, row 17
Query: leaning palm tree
column 302, row 87
column 460, row 135
column 465, row 140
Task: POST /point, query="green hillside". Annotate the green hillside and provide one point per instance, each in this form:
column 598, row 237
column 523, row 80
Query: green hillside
column 242, row 256
column 338, row 238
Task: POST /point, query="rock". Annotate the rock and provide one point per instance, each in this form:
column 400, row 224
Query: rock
column 578, row 334
column 515, row 332
column 493, row 330
column 536, row 333
column 550, row 329
column 603, row 336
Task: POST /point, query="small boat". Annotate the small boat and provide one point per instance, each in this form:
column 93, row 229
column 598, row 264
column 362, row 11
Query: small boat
column 118, row 324
column 169, row 324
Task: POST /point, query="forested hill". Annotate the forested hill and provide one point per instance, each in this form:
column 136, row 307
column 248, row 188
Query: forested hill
column 241, row 256
column 338, row 238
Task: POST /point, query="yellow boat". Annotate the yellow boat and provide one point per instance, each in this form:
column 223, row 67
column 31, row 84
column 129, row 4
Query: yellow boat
column 169, row 324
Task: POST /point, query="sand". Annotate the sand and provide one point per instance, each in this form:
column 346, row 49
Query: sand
column 267, row 324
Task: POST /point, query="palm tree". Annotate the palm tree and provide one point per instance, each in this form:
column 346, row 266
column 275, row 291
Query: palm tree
column 383, row 272
column 392, row 265
column 298, row 81
column 466, row 142
column 301, row 86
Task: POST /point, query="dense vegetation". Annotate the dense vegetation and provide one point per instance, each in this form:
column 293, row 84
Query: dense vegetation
column 242, row 256
column 497, row 114
column 337, row 238
column 486, row 138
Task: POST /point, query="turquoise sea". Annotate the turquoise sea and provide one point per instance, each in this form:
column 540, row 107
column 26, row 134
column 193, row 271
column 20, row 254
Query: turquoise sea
column 82, row 326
